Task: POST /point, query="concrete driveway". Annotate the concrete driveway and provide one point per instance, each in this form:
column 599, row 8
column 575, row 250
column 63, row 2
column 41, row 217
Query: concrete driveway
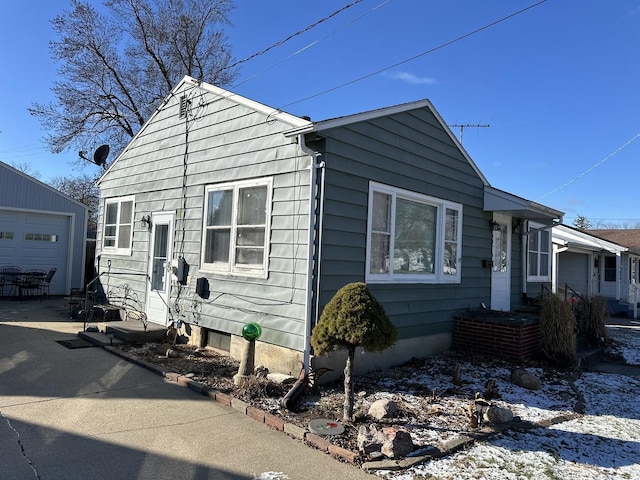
column 87, row 414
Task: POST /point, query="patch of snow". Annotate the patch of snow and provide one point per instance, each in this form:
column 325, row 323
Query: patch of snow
column 271, row 476
column 602, row 444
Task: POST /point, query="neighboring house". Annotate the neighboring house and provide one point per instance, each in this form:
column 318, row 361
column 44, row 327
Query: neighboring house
column 625, row 285
column 41, row 228
column 586, row 264
column 223, row 211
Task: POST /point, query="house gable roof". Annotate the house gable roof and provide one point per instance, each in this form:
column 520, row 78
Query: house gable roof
column 189, row 82
column 382, row 112
column 495, row 200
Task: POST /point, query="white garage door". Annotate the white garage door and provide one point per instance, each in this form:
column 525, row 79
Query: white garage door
column 35, row 240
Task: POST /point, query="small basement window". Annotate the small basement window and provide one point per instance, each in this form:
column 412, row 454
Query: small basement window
column 218, row 340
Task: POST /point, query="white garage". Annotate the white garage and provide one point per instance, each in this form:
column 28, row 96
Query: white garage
column 41, row 228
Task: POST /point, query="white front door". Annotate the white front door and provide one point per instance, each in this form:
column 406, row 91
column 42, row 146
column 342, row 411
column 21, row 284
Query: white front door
column 501, row 263
column 160, row 251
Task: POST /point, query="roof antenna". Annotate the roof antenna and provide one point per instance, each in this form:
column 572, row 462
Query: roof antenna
column 467, row 125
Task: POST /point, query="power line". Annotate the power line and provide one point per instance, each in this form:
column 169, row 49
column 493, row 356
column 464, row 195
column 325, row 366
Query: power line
column 315, row 42
column 300, row 32
column 426, row 52
column 592, row 167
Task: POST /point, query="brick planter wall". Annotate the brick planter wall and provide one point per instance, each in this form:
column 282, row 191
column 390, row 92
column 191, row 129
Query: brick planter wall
column 511, row 337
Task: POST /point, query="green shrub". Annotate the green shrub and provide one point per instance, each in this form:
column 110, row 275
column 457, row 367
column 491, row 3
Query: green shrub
column 352, row 318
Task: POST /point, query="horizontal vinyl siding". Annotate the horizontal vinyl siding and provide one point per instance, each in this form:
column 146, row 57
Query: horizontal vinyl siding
column 227, row 143
column 409, row 151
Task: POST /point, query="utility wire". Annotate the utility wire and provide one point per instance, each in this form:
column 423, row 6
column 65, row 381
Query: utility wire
column 457, row 39
column 315, row 42
column 592, row 167
column 300, row 32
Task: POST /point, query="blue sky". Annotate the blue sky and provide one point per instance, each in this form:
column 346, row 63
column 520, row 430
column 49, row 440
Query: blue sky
column 558, row 84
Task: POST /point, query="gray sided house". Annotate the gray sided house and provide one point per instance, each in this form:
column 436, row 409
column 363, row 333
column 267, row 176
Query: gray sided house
column 223, row 211
column 623, row 286
column 41, row 228
column 586, row 264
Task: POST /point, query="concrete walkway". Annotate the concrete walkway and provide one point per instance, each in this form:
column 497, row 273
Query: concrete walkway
column 87, row 414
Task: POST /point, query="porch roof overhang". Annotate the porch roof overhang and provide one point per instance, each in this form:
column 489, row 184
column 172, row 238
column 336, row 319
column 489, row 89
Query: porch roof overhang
column 578, row 240
column 496, row 200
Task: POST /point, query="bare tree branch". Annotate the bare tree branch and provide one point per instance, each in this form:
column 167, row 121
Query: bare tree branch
column 115, row 67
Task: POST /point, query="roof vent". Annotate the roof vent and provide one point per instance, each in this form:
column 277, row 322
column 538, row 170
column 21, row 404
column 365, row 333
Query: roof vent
column 184, row 105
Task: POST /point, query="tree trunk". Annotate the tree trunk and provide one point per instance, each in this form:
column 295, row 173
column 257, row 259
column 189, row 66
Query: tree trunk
column 347, row 413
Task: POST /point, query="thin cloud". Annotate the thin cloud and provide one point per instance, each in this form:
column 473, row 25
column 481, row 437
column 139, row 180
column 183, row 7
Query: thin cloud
column 411, row 78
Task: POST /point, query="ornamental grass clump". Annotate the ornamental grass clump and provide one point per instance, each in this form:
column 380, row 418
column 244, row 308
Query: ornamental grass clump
column 558, row 331
column 596, row 320
column 352, row 318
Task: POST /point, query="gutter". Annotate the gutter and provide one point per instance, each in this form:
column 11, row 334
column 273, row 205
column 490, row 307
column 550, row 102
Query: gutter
column 313, row 191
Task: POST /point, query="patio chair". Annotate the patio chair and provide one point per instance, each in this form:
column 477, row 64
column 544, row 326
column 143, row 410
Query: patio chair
column 47, row 281
column 10, row 276
column 32, row 283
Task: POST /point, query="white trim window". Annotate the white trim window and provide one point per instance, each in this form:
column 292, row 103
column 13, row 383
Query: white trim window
column 539, row 253
column 236, row 225
column 412, row 238
column 118, row 225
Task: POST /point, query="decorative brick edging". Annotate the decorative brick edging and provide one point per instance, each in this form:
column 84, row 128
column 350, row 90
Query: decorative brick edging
column 322, row 443
column 317, row 441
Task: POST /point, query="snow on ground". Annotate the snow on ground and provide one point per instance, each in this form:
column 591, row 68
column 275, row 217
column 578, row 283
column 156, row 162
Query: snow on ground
column 604, row 443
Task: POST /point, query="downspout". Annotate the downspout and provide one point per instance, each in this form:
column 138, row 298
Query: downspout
column 523, row 254
column 310, row 245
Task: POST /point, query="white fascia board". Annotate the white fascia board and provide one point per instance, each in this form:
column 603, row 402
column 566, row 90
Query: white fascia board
column 581, row 239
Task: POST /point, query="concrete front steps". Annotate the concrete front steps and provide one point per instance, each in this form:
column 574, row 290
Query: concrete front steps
column 108, row 333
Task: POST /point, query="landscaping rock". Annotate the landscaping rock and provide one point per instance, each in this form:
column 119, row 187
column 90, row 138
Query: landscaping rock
column 393, row 442
column 398, row 442
column 495, row 414
column 524, row 379
column 370, row 439
column 383, row 409
column 281, row 378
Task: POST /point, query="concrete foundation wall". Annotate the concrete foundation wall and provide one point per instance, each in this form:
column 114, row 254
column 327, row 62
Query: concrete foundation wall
column 283, row 360
column 364, row 362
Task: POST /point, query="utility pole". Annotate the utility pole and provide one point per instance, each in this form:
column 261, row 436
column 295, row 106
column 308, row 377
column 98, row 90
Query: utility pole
column 468, row 125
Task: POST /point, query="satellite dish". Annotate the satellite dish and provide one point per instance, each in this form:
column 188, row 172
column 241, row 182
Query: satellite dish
column 100, row 155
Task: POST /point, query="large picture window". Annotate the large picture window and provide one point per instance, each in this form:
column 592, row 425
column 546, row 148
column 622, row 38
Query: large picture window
column 118, row 226
column 539, row 253
column 412, row 238
column 236, row 227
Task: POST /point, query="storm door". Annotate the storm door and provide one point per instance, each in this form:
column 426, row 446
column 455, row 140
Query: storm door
column 501, row 263
column 159, row 277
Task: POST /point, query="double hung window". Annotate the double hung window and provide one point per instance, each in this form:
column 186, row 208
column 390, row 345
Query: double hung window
column 539, row 253
column 236, row 227
column 118, row 225
column 412, row 238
